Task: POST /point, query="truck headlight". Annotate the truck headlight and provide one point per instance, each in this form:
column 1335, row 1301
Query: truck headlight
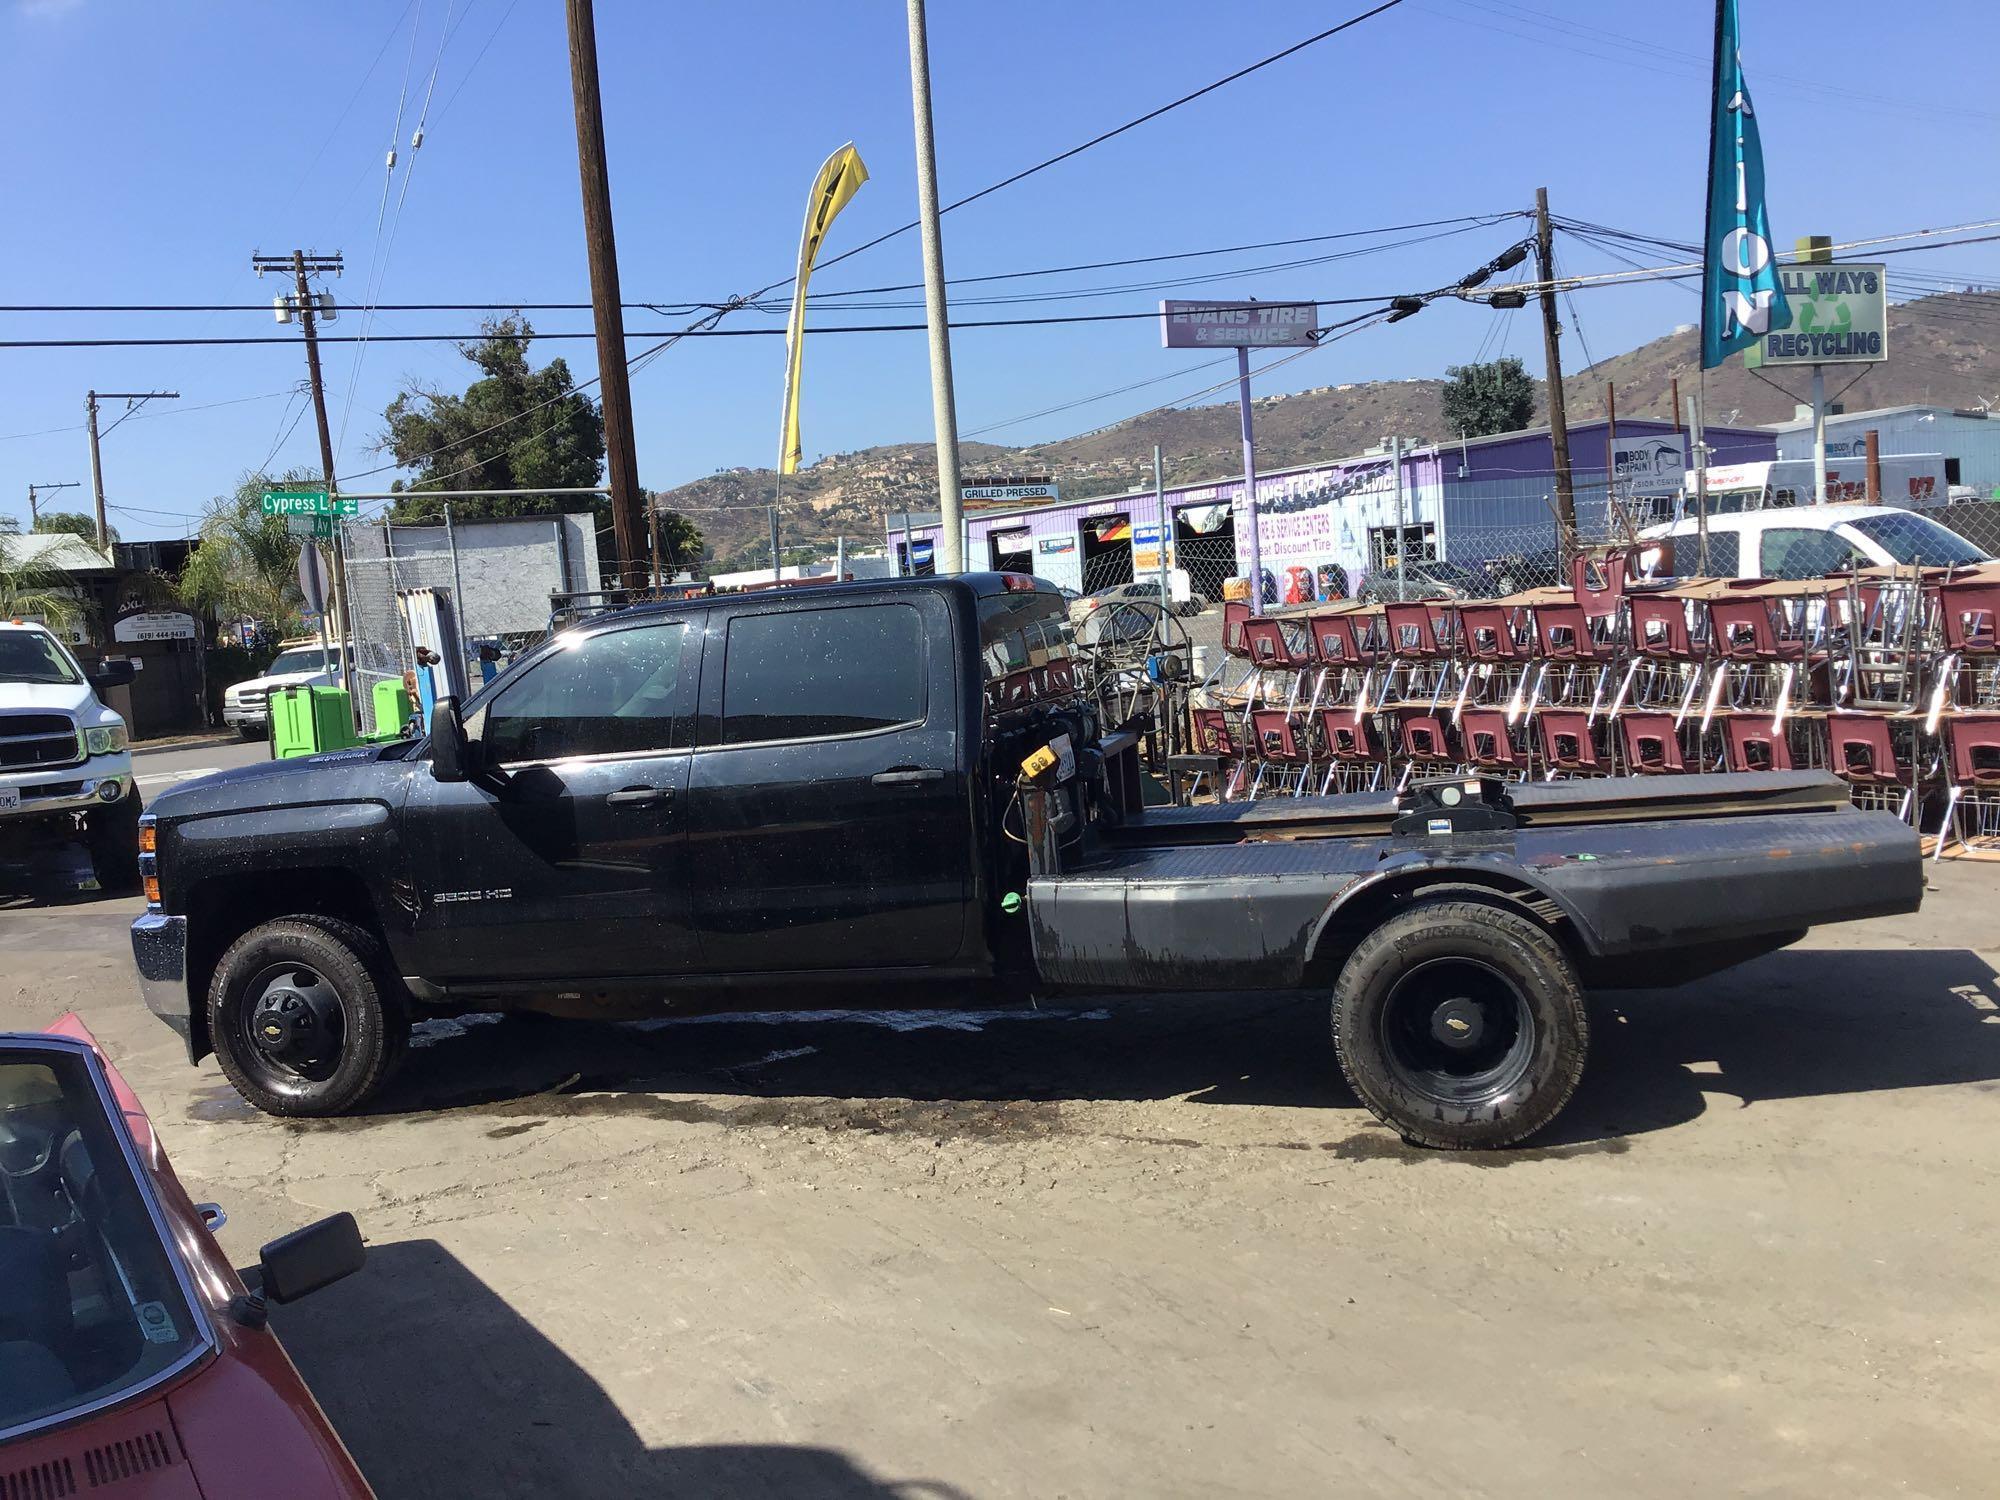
column 106, row 739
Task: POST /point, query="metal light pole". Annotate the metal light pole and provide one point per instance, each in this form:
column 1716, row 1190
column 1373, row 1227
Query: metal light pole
column 944, row 410
column 1250, row 481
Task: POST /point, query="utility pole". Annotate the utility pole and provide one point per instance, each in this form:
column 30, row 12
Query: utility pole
column 302, row 265
column 1610, row 448
column 620, row 453
column 1160, row 513
column 34, row 509
column 944, row 409
column 1402, row 522
column 777, row 570
column 1698, row 451
column 1545, row 261
column 90, row 400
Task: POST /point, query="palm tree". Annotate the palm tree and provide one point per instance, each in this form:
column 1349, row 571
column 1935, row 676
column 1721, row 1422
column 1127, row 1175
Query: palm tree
column 29, row 586
column 247, row 563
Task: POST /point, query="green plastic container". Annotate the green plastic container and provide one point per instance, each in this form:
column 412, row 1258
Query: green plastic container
column 392, row 710
column 307, row 720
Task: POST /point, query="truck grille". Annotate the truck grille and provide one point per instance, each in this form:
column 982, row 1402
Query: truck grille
column 31, row 741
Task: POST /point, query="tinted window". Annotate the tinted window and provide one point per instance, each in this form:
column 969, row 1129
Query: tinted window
column 612, row 693
column 806, row 674
column 1796, row 552
column 1911, row 538
column 1018, row 631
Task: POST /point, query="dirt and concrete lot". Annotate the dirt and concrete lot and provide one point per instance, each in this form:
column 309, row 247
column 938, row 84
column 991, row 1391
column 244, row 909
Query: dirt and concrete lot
column 1147, row 1248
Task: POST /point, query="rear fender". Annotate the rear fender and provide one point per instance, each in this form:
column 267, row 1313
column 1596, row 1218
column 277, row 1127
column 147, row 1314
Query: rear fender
column 1370, row 899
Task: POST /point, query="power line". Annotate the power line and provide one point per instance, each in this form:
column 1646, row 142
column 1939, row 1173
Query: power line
column 1100, row 139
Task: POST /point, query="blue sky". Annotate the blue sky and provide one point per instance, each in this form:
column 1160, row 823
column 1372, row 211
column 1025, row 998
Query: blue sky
column 155, row 146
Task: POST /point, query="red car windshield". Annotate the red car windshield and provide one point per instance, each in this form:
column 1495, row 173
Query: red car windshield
column 90, row 1306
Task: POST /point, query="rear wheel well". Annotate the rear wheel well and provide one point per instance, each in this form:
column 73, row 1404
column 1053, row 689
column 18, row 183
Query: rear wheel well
column 222, row 909
column 1364, row 912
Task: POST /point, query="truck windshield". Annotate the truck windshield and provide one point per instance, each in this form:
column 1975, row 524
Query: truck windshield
column 1912, row 538
column 303, row 659
column 90, row 1307
column 30, row 656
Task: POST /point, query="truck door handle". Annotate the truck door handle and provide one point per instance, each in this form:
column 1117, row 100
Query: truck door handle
column 906, row 776
column 637, row 796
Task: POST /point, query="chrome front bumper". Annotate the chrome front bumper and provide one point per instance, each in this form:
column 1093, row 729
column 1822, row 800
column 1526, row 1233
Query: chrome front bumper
column 159, row 949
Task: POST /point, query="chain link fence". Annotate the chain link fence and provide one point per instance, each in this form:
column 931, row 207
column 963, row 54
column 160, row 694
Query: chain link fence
column 497, row 577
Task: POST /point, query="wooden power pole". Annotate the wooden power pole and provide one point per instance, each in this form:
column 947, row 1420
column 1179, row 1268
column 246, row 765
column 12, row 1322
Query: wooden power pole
column 302, row 265
column 1545, row 260
column 90, row 400
column 621, row 455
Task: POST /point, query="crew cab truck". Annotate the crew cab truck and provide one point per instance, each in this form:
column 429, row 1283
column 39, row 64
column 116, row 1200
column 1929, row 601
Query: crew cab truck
column 665, row 808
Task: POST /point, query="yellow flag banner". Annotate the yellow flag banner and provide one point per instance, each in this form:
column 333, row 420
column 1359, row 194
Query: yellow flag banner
column 838, row 181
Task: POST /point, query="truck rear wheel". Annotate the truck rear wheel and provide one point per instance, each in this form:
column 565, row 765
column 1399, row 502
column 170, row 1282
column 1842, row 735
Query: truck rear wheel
column 302, row 1017
column 112, row 836
column 1461, row 1025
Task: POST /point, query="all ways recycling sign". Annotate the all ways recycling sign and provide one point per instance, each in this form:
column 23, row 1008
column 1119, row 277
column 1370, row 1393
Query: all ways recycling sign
column 1840, row 316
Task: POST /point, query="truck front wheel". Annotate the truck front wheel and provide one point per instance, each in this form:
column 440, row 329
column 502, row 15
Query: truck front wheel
column 303, row 1018
column 1461, row 1025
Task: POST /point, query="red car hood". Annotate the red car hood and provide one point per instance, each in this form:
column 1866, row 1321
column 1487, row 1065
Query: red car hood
column 240, row 1425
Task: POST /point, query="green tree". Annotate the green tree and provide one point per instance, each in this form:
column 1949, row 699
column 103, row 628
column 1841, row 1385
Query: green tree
column 75, row 522
column 247, row 563
column 515, row 428
column 681, row 541
column 30, row 587
column 1481, row 400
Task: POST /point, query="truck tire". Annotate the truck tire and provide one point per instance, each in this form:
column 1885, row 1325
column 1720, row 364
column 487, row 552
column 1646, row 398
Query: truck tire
column 1461, row 1025
column 112, row 836
column 302, row 1016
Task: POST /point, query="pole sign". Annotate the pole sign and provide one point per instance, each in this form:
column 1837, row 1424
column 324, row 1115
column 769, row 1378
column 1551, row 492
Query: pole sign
column 308, row 500
column 1000, row 494
column 1237, row 325
column 1840, row 316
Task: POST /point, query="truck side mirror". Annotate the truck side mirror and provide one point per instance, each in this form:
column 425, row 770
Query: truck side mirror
column 450, row 751
column 307, row 1259
column 112, row 672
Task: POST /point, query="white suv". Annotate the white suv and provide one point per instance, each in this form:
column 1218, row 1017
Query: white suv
column 65, row 770
column 247, row 705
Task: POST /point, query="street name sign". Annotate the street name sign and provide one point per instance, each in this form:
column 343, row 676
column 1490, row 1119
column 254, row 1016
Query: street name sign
column 308, row 500
column 1237, row 325
column 319, row 528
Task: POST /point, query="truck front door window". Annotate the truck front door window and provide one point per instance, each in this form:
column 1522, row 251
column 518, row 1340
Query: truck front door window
column 816, row 673
column 611, row 693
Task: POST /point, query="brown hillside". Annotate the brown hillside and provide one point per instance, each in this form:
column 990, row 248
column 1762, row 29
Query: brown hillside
column 1938, row 355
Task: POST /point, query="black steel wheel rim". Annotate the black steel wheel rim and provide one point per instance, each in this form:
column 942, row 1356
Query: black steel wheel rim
column 292, row 1025
column 1457, row 1031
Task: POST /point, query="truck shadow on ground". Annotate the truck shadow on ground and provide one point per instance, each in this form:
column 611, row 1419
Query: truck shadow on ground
column 519, row 1416
column 1816, row 1021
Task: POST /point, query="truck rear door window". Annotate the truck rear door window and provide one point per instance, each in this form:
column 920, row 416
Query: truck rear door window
column 813, row 673
column 612, row 693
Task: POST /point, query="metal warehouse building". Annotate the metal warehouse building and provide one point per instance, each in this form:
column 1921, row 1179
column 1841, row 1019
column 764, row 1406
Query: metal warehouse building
column 1969, row 440
column 1324, row 527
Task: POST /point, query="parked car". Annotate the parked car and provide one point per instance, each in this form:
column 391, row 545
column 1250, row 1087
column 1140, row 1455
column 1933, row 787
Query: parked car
column 1143, row 591
column 1428, row 580
column 246, row 706
column 904, row 778
column 65, row 766
column 1808, row 541
column 133, row 1359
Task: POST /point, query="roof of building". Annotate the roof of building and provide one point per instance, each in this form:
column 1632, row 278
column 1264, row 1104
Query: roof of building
column 1881, row 412
column 56, row 549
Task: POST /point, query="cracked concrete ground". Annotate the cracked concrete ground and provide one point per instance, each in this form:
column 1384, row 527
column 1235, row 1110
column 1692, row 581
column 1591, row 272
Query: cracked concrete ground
column 1149, row 1247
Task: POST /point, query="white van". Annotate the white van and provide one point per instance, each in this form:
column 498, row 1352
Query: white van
column 1807, row 541
column 65, row 769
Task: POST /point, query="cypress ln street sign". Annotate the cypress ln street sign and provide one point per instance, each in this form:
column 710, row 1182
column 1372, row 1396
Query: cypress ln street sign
column 308, row 500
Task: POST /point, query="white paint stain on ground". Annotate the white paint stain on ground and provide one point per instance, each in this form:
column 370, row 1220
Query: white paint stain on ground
column 168, row 778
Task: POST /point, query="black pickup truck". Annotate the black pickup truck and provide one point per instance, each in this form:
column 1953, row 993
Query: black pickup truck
column 667, row 808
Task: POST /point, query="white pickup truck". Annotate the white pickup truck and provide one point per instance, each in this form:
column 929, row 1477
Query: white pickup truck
column 65, row 769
